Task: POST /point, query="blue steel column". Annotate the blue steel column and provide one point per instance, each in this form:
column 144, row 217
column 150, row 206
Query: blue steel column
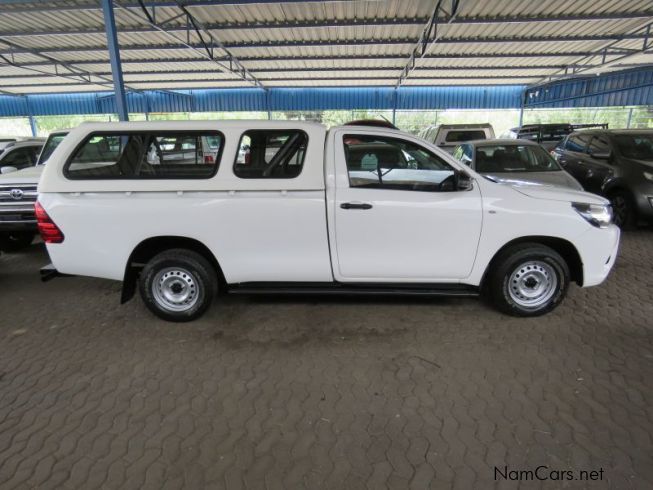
column 30, row 116
column 394, row 107
column 114, row 55
column 32, row 124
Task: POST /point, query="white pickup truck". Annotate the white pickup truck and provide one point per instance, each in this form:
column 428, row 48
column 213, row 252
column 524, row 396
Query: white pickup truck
column 289, row 207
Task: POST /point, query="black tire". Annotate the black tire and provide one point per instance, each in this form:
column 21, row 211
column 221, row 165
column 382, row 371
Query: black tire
column 623, row 208
column 516, row 268
column 16, row 241
column 184, row 274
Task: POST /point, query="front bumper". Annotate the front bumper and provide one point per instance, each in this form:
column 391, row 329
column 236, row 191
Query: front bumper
column 18, row 218
column 598, row 250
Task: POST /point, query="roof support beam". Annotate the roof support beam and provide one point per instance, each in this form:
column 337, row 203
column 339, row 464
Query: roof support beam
column 61, row 69
column 207, row 46
column 428, row 37
column 617, row 54
column 114, row 56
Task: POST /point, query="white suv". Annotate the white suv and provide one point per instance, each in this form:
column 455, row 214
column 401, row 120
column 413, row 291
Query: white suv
column 290, row 207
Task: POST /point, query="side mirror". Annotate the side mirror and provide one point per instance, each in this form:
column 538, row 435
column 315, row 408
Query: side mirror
column 601, row 155
column 463, row 181
column 8, row 169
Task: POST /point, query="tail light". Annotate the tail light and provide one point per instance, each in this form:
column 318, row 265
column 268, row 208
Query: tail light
column 50, row 232
column 208, row 158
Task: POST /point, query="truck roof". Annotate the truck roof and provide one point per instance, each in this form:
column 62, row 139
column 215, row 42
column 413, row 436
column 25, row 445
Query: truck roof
column 197, row 124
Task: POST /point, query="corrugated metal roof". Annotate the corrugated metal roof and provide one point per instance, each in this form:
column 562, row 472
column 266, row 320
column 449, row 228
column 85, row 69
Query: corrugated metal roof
column 356, row 43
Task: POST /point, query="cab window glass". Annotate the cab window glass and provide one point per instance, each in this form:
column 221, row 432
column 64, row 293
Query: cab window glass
column 271, row 154
column 145, row 156
column 50, row 145
column 463, row 153
column 599, row 144
column 390, row 163
column 577, row 142
column 514, row 158
column 636, row 146
column 464, row 135
column 20, row 157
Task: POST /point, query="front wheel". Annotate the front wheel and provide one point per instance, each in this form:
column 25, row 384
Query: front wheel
column 178, row 285
column 625, row 215
column 528, row 280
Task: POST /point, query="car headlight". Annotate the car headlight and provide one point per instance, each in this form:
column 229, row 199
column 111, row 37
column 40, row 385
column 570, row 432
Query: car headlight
column 648, row 176
column 599, row 215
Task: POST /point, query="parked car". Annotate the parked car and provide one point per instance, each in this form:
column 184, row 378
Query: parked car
column 548, row 135
column 514, row 162
column 352, row 210
column 17, row 198
column 16, row 155
column 51, row 143
column 449, row 136
column 617, row 164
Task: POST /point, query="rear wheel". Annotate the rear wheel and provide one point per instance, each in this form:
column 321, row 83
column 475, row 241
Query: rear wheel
column 15, row 241
column 528, row 280
column 178, row 285
column 625, row 216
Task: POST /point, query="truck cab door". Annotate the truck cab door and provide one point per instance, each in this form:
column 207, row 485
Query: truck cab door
column 395, row 213
column 574, row 157
column 599, row 163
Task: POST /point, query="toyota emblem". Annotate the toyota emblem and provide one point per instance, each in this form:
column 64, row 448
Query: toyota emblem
column 16, row 194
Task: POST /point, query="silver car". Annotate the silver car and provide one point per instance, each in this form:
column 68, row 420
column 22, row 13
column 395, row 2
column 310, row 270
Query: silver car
column 512, row 161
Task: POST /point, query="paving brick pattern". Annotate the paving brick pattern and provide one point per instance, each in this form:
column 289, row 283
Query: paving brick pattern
column 267, row 393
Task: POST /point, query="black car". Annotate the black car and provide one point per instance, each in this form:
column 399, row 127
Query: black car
column 617, row 164
column 550, row 134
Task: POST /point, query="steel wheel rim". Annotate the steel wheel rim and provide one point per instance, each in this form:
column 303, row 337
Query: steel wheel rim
column 175, row 289
column 532, row 284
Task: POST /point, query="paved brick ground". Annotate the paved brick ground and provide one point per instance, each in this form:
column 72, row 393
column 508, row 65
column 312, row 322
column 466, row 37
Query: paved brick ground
column 322, row 393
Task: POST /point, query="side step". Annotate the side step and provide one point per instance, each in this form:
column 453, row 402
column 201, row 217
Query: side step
column 428, row 290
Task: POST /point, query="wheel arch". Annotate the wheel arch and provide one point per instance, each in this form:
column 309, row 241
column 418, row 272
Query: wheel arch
column 152, row 246
column 615, row 185
column 565, row 248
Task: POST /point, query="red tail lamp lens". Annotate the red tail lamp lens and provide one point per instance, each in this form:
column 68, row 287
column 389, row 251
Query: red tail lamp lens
column 50, row 232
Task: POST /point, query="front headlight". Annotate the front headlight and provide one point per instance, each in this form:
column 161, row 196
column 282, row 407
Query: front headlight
column 648, row 176
column 599, row 215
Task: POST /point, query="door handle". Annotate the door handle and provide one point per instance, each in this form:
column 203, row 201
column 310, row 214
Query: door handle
column 356, row 205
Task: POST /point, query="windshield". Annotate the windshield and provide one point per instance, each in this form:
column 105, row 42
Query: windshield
column 635, row 146
column 49, row 147
column 514, row 158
